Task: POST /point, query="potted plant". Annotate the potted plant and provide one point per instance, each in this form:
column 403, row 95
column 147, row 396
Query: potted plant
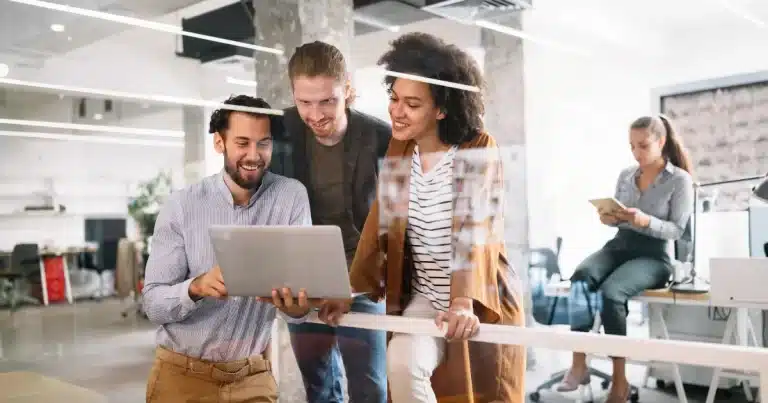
column 145, row 206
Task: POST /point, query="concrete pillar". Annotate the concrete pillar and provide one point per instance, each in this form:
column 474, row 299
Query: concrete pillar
column 505, row 120
column 196, row 137
column 286, row 24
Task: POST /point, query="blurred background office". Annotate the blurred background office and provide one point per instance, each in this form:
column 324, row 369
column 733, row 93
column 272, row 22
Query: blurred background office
column 104, row 110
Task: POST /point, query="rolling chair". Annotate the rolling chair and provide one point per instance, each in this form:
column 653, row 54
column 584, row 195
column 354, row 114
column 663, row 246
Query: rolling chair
column 682, row 250
column 24, row 270
column 549, row 260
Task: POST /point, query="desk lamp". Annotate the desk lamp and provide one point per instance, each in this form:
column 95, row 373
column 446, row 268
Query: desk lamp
column 692, row 284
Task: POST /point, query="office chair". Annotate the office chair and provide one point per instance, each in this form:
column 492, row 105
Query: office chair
column 549, row 260
column 24, row 270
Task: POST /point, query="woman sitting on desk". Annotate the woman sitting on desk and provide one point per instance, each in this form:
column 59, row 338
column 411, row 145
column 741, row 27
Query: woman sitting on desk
column 658, row 194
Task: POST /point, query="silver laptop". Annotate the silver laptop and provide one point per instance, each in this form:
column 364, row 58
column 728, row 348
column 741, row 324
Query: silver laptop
column 738, row 281
column 256, row 259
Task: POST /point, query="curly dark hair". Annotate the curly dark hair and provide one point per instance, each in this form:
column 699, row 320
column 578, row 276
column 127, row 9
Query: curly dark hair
column 220, row 117
column 428, row 56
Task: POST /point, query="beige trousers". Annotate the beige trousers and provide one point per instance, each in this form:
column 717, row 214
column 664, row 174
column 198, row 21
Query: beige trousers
column 176, row 378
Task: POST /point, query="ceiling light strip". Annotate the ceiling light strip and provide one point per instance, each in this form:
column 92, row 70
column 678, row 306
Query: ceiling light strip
column 431, row 81
column 522, row 35
column 136, row 22
column 445, row 3
column 247, row 83
column 376, row 23
column 93, row 139
column 141, row 97
column 95, row 128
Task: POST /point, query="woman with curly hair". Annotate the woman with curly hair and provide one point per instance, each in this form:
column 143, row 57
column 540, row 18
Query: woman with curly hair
column 439, row 253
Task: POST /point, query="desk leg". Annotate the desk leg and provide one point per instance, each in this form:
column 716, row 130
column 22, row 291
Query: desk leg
column 657, row 312
column 752, row 332
column 730, row 326
column 744, row 329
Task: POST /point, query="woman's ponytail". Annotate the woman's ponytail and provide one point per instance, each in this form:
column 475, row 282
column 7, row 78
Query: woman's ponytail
column 673, row 149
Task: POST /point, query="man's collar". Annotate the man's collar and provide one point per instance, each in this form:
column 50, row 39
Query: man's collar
column 223, row 189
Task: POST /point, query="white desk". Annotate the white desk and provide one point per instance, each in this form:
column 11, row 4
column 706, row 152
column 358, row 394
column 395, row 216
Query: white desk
column 656, row 300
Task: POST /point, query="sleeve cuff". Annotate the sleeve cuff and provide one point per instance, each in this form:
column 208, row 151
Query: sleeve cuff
column 292, row 320
column 187, row 304
column 654, row 225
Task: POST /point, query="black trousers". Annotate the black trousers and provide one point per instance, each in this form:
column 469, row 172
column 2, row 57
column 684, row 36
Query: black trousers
column 622, row 269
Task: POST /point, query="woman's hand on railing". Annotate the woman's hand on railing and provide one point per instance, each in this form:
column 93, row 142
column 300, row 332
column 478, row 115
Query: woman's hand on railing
column 332, row 310
column 460, row 321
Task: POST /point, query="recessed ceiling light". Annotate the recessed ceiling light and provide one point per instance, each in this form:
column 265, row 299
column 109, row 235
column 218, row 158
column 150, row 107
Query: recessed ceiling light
column 4, row 69
column 98, row 116
column 57, row 28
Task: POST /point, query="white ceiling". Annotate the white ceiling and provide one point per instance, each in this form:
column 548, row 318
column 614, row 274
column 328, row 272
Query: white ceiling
column 672, row 18
column 26, row 38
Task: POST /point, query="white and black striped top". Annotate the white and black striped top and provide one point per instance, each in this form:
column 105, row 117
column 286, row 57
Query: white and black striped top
column 430, row 214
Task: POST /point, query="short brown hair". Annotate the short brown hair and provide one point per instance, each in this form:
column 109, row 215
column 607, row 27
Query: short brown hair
column 317, row 59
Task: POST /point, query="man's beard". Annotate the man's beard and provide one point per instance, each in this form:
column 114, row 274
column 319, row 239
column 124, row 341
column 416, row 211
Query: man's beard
column 233, row 171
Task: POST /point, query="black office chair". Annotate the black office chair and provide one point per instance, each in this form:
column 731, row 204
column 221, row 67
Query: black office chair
column 549, row 260
column 23, row 272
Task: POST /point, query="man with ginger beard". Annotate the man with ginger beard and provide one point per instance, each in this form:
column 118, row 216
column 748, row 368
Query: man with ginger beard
column 210, row 346
column 334, row 151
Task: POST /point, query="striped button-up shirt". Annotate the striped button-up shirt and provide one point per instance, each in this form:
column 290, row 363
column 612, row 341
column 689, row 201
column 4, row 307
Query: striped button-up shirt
column 668, row 201
column 213, row 329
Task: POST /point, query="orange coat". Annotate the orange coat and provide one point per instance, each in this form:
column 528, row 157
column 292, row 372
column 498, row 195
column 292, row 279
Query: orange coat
column 382, row 266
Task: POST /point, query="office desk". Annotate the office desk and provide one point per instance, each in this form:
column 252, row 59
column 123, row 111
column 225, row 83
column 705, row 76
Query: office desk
column 739, row 325
column 30, row 387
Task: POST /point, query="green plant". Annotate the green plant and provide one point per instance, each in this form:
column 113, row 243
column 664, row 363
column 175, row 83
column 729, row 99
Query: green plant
column 151, row 194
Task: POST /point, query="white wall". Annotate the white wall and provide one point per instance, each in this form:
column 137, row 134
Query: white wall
column 578, row 109
column 90, row 179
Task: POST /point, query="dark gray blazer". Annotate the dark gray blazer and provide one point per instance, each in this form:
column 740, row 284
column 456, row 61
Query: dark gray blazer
column 365, row 143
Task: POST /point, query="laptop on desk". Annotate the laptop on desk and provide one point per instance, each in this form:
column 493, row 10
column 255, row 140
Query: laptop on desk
column 739, row 281
column 254, row 260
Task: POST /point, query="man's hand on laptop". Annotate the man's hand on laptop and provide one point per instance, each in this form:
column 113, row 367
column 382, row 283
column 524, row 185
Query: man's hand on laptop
column 209, row 284
column 333, row 310
column 284, row 300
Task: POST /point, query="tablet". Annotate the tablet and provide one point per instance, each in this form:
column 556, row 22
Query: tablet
column 608, row 205
column 254, row 260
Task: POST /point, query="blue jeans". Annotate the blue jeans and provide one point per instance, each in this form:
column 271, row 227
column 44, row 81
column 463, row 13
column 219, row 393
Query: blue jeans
column 320, row 351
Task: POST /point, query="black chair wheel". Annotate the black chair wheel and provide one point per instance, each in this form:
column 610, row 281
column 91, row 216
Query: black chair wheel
column 534, row 396
column 605, row 384
column 660, row 384
column 634, row 397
